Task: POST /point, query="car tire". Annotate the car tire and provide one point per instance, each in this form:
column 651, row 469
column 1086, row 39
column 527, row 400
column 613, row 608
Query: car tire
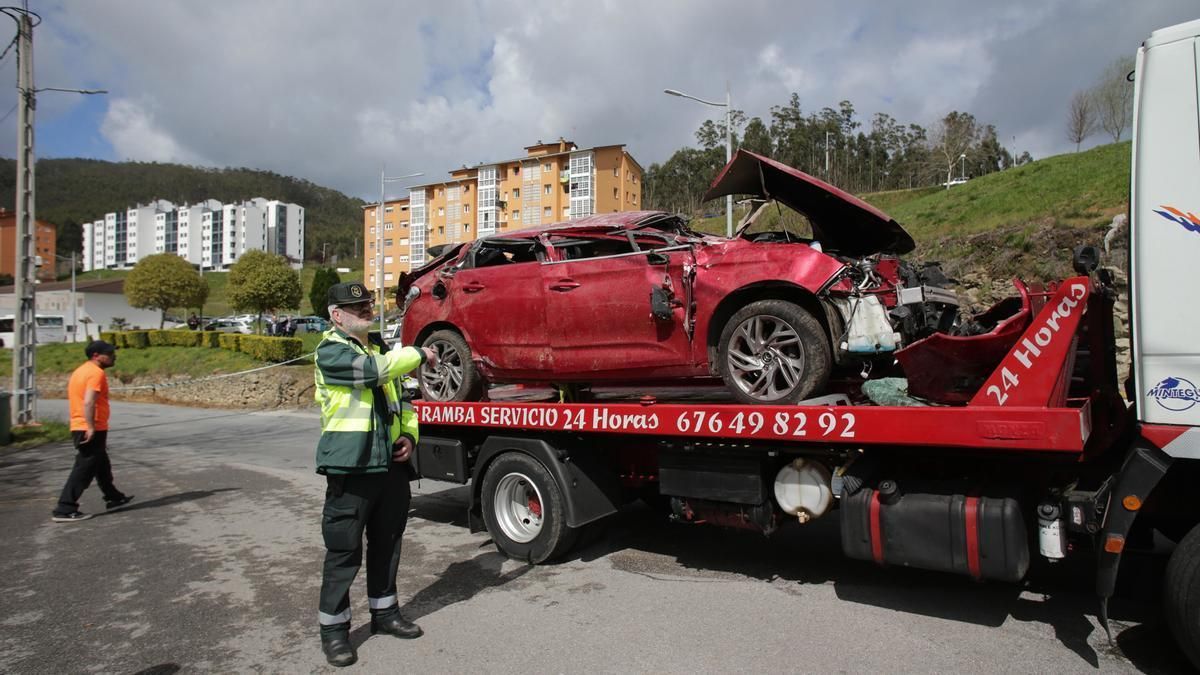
column 789, row 365
column 455, row 378
column 524, row 510
column 1181, row 595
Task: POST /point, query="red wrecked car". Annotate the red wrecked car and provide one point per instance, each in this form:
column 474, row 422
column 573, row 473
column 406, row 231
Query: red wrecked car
column 637, row 297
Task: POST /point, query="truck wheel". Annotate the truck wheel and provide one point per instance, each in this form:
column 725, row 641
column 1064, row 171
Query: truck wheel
column 523, row 510
column 774, row 352
column 455, row 378
column 1181, row 595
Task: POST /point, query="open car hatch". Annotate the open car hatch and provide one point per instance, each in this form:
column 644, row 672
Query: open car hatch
column 840, row 221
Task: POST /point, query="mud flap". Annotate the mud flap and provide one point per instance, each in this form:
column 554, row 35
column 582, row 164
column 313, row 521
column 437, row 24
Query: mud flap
column 1144, row 466
column 590, row 489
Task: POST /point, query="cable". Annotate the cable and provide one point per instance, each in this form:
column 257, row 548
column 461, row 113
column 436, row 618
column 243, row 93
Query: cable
column 10, row 46
column 211, row 377
column 10, row 111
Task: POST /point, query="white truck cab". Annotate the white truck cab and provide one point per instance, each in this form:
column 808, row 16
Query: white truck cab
column 1165, row 229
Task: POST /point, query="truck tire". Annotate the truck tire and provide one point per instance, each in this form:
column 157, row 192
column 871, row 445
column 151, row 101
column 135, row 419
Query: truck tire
column 455, row 378
column 790, row 364
column 524, row 511
column 1181, row 595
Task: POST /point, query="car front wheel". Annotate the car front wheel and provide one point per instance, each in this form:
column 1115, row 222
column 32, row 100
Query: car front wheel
column 455, row 378
column 773, row 352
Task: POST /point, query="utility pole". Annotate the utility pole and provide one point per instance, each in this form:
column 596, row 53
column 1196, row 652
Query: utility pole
column 24, row 331
column 24, row 389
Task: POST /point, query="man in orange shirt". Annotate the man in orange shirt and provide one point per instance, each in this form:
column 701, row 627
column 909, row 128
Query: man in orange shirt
column 87, row 393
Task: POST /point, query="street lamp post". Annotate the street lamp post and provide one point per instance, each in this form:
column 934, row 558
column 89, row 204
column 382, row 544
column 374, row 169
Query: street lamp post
column 728, row 105
column 962, row 173
column 384, row 179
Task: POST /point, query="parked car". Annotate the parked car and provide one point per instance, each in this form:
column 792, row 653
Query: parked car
column 230, row 326
column 637, row 297
column 310, row 324
column 957, row 181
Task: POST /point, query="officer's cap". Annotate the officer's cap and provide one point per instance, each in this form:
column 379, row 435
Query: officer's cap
column 348, row 294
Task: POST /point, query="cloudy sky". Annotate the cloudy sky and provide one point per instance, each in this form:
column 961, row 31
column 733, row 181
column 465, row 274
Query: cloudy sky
column 334, row 91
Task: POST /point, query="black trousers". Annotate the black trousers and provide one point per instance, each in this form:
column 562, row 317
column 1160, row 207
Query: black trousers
column 91, row 462
column 376, row 503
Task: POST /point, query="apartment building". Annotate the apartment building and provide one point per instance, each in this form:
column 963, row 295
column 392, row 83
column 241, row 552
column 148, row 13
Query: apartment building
column 552, row 182
column 44, row 246
column 208, row 234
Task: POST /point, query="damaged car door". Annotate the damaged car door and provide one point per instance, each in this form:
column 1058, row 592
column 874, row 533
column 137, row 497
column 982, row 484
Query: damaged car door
column 616, row 305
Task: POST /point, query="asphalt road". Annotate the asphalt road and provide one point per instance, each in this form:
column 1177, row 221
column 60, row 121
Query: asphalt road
column 216, row 564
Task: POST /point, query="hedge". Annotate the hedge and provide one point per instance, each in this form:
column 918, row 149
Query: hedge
column 273, row 349
column 261, row 347
column 135, row 339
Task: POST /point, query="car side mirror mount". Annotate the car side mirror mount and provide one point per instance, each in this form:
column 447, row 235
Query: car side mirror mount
column 656, row 258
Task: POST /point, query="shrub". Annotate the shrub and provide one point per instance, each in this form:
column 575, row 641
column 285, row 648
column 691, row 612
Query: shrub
column 159, row 338
column 184, row 338
column 138, row 339
column 271, row 348
column 109, row 336
column 210, row 339
column 229, row 341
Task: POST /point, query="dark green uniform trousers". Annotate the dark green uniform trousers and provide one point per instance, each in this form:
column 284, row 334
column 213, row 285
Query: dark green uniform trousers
column 374, row 502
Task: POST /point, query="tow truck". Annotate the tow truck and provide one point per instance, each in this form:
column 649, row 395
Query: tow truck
column 1050, row 456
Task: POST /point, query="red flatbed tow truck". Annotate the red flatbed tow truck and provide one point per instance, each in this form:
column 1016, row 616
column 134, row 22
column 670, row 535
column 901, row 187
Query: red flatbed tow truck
column 1049, row 456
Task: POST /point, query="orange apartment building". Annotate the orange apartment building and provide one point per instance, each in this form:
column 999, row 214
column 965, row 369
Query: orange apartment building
column 44, row 243
column 553, row 182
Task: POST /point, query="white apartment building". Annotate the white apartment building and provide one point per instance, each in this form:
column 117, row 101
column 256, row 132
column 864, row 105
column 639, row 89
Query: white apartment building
column 187, row 240
column 208, row 234
column 93, row 245
column 285, row 230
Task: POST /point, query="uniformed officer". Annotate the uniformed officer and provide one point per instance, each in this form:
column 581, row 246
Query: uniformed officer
column 368, row 434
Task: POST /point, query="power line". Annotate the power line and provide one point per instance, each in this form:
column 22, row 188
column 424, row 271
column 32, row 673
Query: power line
column 10, row 111
column 9, row 47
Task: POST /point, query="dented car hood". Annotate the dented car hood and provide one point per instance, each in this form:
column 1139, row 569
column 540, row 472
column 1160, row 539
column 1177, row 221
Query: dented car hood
column 840, row 221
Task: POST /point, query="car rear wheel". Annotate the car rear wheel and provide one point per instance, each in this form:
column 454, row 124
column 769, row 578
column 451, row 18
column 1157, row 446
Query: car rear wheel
column 773, row 352
column 455, row 378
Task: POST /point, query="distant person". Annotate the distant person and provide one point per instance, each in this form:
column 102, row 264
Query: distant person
column 273, row 325
column 87, row 394
column 289, row 328
column 193, row 321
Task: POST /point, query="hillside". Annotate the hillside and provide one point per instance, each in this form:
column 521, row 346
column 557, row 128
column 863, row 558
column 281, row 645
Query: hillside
column 74, row 191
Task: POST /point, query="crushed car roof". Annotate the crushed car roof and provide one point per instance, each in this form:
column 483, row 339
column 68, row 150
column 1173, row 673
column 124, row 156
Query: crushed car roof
column 602, row 221
column 840, row 221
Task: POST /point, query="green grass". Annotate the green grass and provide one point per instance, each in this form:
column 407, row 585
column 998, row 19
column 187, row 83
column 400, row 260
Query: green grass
column 217, row 304
column 40, row 434
column 1078, row 190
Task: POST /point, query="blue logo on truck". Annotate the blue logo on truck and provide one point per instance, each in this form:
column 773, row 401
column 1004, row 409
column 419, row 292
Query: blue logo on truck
column 1175, row 394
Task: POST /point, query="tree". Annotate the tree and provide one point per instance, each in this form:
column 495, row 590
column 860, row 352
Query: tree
column 163, row 281
column 1081, row 118
column 318, row 295
column 955, row 135
column 262, row 282
column 1113, row 97
column 757, row 138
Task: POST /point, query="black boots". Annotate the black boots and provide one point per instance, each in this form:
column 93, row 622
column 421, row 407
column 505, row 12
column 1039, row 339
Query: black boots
column 338, row 650
column 395, row 624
